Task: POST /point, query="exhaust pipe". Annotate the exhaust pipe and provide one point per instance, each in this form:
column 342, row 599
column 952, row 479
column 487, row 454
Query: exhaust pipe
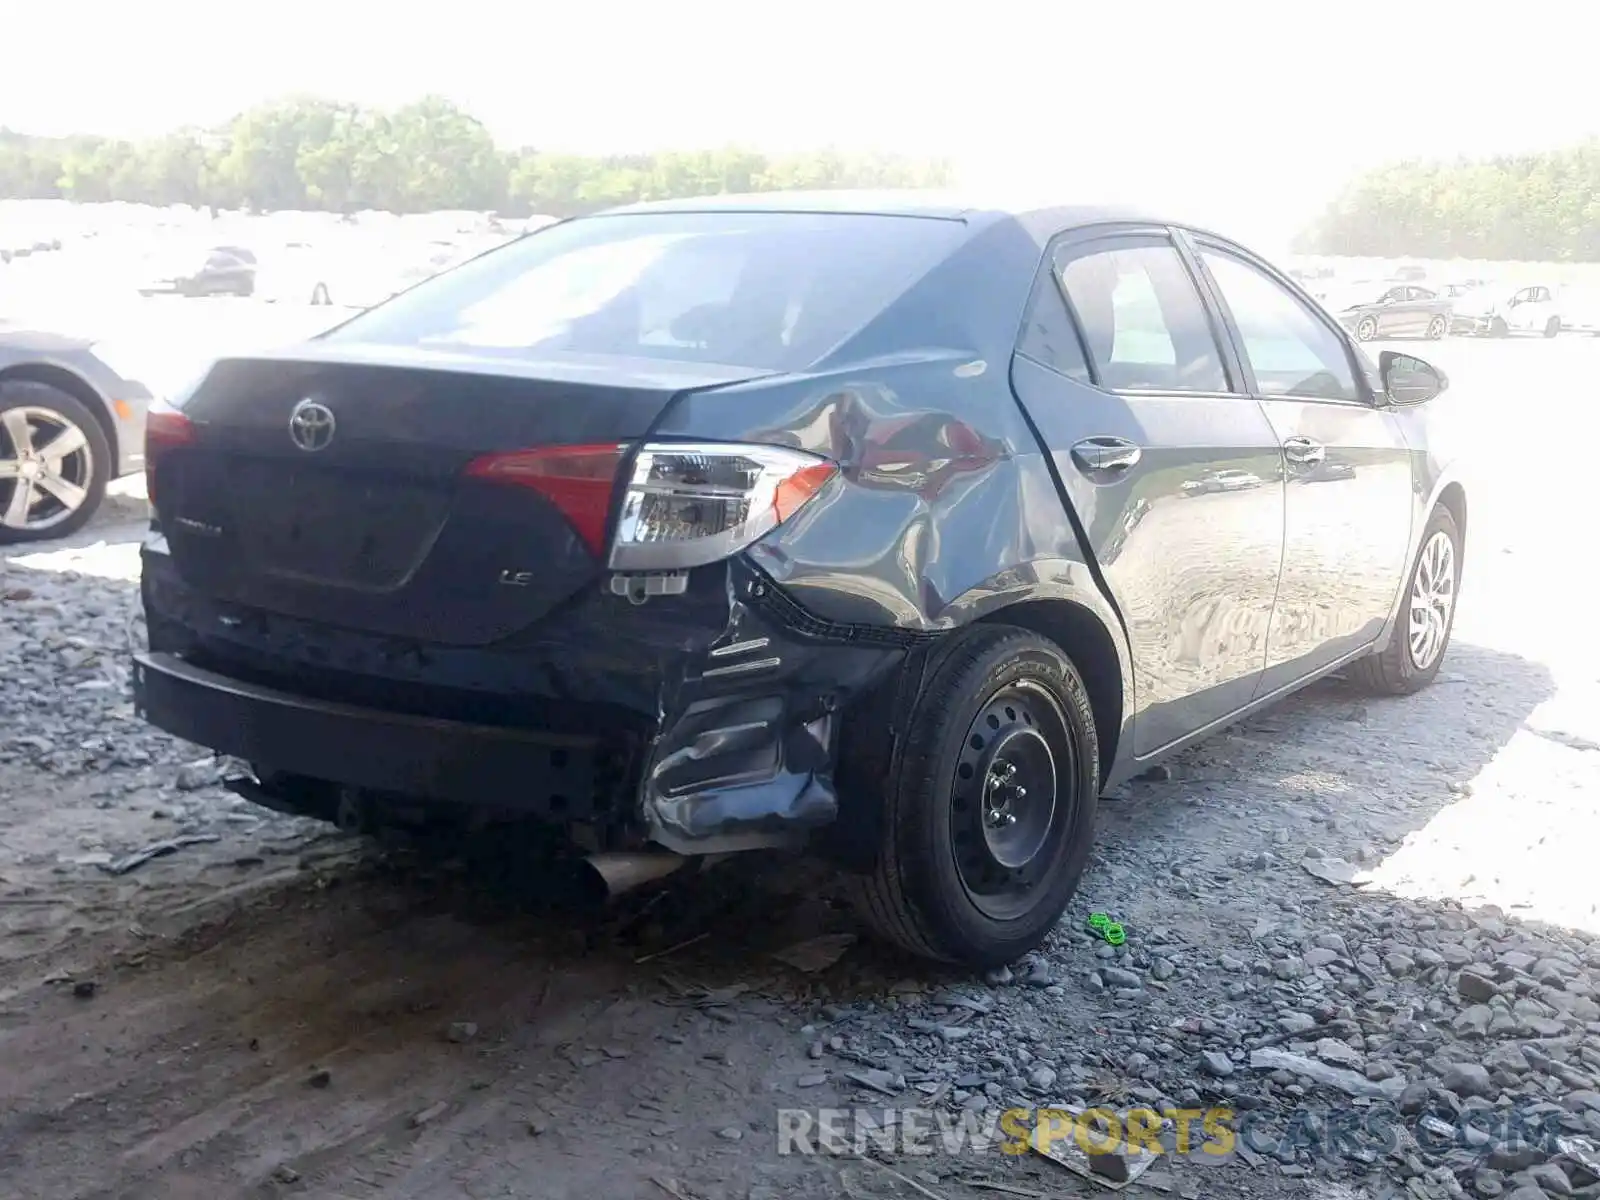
column 607, row 876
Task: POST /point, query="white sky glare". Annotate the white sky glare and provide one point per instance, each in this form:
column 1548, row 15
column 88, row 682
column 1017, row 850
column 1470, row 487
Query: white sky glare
column 1231, row 110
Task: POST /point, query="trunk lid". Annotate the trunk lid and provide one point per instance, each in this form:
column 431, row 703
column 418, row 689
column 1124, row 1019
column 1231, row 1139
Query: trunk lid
column 376, row 527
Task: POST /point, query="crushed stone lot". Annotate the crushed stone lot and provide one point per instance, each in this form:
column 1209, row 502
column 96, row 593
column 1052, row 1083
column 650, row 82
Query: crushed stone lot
column 1367, row 929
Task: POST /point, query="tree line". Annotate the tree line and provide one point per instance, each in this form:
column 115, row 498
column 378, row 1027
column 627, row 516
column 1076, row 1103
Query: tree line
column 311, row 153
column 1528, row 207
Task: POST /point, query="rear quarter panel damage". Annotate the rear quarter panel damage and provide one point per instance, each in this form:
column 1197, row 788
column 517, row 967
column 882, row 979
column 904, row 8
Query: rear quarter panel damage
column 945, row 510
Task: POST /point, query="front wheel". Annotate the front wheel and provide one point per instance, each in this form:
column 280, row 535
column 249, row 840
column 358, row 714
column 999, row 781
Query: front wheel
column 1366, row 329
column 1437, row 328
column 1421, row 636
column 1552, row 327
column 988, row 817
column 1499, row 328
column 54, row 462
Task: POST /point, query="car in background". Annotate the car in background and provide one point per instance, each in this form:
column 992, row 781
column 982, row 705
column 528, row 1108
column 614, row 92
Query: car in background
column 1458, row 289
column 674, row 529
column 1492, row 313
column 69, row 425
column 1221, row 481
column 218, row 271
column 20, row 243
column 1398, row 310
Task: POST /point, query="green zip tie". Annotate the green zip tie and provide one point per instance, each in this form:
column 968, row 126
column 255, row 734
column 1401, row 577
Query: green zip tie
column 1105, row 928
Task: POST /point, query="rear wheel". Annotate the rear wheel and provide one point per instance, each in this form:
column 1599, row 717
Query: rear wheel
column 1552, row 327
column 1366, row 329
column 989, row 815
column 54, row 462
column 1437, row 328
column 1499, row 328
column 1417, row 647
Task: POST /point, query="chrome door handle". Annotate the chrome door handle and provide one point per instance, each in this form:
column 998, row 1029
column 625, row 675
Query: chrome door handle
column 1105, row 454
column 1304, row 451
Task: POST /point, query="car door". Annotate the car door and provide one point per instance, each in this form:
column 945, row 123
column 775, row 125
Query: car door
column 1423, row 306
column 1392, row 312
column 1140, row 404
column 1348, row 490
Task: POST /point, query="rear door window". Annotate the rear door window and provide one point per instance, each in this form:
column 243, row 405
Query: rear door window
column 1142, row 318
column 769, row 290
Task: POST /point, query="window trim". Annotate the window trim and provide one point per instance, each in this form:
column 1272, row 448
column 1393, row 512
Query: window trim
column 1081, row 242
column 1195, row 242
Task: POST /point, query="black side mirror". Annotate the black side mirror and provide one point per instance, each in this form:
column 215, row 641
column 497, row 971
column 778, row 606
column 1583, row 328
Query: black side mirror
column 1409, row 380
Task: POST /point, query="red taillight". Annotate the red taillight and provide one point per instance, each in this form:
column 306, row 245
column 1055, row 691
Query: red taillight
column 164, row 429
column 578, row 480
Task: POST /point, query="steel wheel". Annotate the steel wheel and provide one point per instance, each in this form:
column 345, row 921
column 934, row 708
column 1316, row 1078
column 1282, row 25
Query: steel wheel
column 1012, row 797
column 1433, row 598
column 47, row 468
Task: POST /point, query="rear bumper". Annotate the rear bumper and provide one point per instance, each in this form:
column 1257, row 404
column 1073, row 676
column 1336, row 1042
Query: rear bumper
column 704, row 728
column 546, row 774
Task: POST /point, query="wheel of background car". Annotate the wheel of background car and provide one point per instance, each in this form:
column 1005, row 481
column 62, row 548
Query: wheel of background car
column 54, row 462
column 1437, row 328
column 1427, row 616
column 319, row 294
column 1552, row 327
column 1498, row 327
column 988, row 823
column 1366, row 329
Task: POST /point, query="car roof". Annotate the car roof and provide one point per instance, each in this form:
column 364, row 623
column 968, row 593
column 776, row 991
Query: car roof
column 950, row 206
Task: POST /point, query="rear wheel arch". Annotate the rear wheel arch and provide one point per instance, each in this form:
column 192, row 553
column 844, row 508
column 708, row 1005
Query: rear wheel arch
column 1083, row 637
column 79, row 389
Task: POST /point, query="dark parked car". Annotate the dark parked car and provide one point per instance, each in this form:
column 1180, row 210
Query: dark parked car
column 69, row 424
column 846, row 521
column 220, row 271
column 1400, row 310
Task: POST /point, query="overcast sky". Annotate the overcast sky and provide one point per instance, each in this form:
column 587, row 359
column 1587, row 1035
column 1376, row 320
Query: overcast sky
column 1237, row 111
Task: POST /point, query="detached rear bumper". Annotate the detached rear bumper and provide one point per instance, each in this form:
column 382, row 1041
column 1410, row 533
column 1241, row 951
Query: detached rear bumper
column 706, row 723
column 547, row 774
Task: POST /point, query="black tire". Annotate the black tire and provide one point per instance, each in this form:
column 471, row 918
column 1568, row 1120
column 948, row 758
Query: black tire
column 319, row 295
column 1366, row 329
column 1394, row 672
column 1499, row 328
column 1437, row 328
column 918, row 895
column 28, row 394
column 1552, row 327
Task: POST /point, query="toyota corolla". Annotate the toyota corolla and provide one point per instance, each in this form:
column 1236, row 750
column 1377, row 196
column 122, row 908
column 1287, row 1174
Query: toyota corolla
column 844, row 521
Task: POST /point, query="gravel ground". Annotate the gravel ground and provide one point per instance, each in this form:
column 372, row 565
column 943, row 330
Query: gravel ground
column 1367, row 929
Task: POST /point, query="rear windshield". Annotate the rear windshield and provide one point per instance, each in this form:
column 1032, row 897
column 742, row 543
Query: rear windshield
column 771, row 291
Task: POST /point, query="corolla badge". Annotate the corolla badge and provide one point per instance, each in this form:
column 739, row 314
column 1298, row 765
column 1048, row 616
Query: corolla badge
column 311, row 425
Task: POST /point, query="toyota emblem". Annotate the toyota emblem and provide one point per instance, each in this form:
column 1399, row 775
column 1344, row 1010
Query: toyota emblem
column 311, row 425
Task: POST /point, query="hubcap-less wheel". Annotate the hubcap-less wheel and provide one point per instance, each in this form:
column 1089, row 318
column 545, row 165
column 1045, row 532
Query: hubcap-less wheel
column 1008, row 813
column 46, row 467
column 1433, row 596
column 1366, row 330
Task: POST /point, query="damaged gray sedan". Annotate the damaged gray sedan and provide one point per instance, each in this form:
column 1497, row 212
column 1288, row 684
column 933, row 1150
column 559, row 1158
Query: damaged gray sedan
column 869, row 524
